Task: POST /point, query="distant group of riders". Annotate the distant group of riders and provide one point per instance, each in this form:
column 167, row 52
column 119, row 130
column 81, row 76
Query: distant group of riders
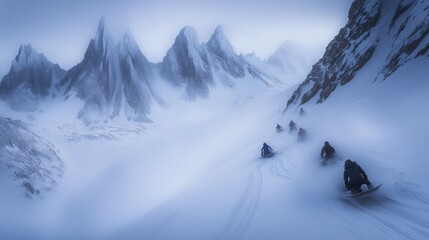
column 354, row 175
column 302, row 134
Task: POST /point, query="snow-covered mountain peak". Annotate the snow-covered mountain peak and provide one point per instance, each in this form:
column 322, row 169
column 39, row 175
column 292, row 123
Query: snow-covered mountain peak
column 128, row 43
column 102, row 39
column 27, row 56
column 287, row 47
column 187, row 64
column 290, row 59
column 187, row 37
column 112, row 79
column 24, row 51
column 30, row 79
column 218, row 42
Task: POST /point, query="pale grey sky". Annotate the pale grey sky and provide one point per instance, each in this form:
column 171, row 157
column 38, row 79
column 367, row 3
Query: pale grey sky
column 61, row 29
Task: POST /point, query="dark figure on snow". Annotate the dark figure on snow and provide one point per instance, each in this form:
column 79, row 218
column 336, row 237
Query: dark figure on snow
column 302, row 134
column 266, row 151
column 292, row 126
column 279, row 128
column 354, row 177
column 301, row 112
column 328, row 152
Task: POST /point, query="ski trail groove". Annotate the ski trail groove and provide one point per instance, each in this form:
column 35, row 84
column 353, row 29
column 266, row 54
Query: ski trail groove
column 389, row 216
column 283, row 168
column 245, row 207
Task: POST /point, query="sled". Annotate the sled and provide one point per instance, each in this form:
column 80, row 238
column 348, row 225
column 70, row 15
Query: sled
column 364, row 192
column 328, row 162
column 267, row 155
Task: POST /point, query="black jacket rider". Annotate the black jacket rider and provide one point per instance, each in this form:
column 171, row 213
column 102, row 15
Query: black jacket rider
column 327, row 152
column 266, row 149
column 354, row 176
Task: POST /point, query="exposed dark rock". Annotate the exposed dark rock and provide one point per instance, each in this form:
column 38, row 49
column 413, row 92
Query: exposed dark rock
column 341, row 60
column 404, row 30
column 403, row 6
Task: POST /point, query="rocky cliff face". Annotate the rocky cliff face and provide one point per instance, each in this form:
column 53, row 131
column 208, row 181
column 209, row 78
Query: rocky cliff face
column 33, row 161
column 30, row 79
column 409, row 30
column 350, row 50
column 394, row 30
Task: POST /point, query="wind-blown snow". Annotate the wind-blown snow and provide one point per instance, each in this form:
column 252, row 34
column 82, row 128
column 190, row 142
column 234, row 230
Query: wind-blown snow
column 195, row 172
column 201, row 177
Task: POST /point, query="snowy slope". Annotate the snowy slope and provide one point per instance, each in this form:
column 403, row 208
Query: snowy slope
column 245, row 197
column 371, row 122
column 201, row 177
column 195, row 171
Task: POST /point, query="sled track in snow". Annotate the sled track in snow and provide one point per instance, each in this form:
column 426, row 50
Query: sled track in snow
column 246, row 206
column 282, row 167
column 388, row 218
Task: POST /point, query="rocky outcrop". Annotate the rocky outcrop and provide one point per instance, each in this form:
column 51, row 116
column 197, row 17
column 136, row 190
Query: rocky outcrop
column 32, row 160
column 345, row 55
column 410, row 27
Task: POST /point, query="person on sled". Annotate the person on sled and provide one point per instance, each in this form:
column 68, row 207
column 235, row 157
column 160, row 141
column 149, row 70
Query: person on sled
column 292, row 126
column 266, row 151
column 302, row 135
column 328, row 152
column 355, row 177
